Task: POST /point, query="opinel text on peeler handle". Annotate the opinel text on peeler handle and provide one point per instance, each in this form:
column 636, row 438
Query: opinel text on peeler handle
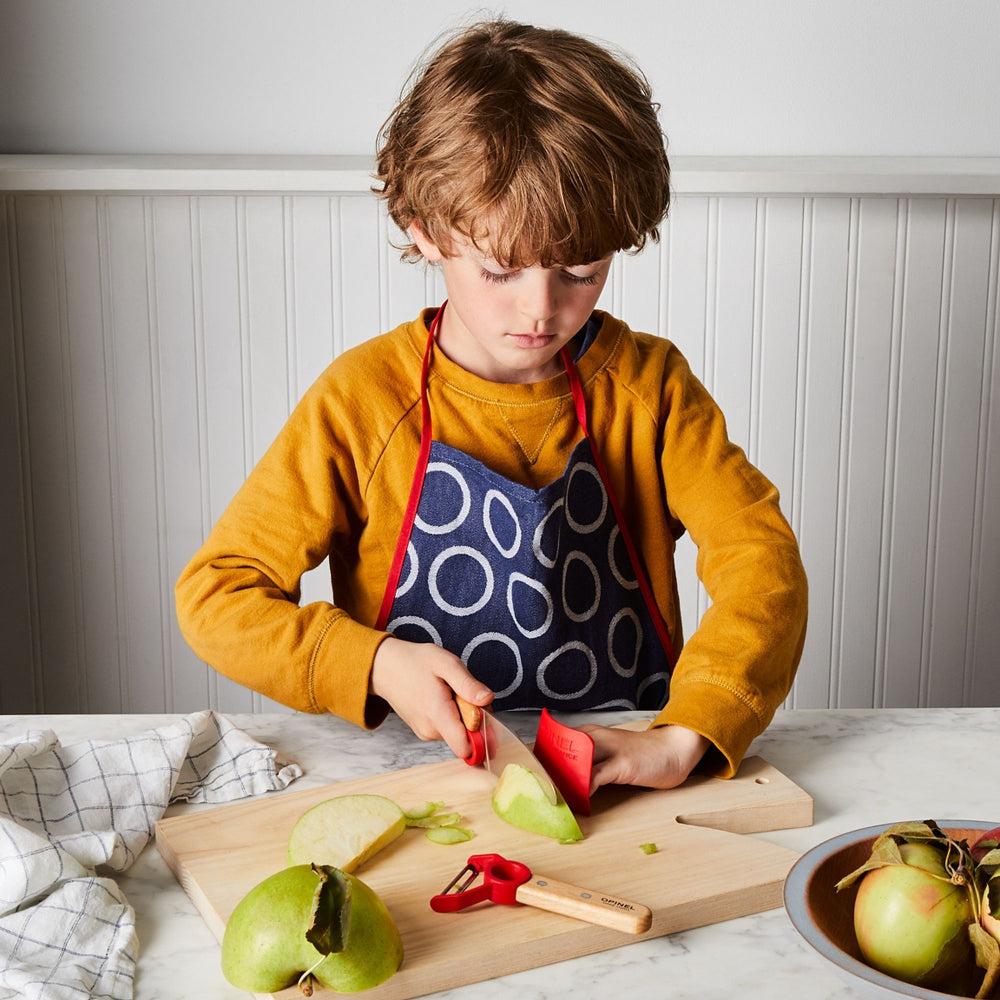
column 585, row 904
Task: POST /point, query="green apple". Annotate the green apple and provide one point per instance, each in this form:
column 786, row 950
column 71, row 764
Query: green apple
column 345, row 831
column 912, row 922
column 310, row 920
column 520, row 799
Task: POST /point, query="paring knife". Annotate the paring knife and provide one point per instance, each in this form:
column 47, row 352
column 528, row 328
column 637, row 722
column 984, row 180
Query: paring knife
column 495, row 746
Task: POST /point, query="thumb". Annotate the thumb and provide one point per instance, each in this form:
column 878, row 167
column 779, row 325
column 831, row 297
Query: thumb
column 466, row 686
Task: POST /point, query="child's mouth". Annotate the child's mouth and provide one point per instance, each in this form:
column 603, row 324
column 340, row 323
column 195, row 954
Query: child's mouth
column 532, row 340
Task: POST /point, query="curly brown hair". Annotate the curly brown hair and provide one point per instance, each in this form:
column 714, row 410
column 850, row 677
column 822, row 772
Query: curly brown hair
column 538, row 145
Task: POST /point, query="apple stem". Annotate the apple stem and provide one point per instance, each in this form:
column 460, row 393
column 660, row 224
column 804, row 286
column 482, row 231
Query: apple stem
column 307, row 981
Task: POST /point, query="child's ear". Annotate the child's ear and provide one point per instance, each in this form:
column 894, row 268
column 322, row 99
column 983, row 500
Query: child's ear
column 428, row 248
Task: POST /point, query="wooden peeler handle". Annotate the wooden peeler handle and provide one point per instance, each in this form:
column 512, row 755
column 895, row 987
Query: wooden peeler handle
column 584, row 904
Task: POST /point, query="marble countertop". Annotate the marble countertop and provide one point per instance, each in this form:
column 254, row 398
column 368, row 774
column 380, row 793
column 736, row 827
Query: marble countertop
column 862, row 767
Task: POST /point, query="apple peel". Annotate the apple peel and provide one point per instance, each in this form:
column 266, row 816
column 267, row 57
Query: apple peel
column 449, row 835
column 437, row 820
column 417, row 813
column 438, row 827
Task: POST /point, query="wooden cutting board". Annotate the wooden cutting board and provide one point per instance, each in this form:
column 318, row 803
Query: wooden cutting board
column 706, row 869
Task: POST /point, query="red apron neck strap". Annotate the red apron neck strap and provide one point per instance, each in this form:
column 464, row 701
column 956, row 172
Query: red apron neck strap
column 644, row 585
column 410, row 514
column 576, row 389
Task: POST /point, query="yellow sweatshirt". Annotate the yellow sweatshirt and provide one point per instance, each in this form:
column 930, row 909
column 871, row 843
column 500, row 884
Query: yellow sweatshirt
column 336, row 481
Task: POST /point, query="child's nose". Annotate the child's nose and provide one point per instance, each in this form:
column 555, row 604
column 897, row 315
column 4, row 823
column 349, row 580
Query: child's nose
column 540, row 301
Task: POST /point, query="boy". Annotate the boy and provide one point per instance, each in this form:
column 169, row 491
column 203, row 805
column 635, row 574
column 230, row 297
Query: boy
column 499, row 483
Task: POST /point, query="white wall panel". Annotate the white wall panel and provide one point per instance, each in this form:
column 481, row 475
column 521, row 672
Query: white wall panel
column 825, row 266
column 360, row 295
column 47, row 431
column 958, row 448
column 137, row 483
column 265, row 279
column 20, row 681
column 103, row 676
column 776, row 415
column 871, row 273
column 916, row 334
column 732, row 349
column 151, row 345
column 309, row 248
column 983, row 639
column 636, row 287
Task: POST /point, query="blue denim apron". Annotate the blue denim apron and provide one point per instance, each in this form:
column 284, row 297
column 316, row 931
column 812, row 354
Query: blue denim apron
column 539, row 592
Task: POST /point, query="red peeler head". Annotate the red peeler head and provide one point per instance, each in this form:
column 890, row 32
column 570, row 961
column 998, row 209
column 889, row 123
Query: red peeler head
column 501, row 879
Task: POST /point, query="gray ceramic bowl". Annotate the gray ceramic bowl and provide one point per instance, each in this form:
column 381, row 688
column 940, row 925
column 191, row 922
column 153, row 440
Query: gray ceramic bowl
column 825, row 917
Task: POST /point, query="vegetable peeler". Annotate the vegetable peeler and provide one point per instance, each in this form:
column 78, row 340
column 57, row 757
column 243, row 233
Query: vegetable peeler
column 510, row 882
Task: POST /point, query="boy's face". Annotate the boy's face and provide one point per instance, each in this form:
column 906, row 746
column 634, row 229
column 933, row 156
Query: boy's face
column 509, row 325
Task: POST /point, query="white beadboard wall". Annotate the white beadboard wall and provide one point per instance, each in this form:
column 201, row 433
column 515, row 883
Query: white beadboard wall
column 159, row 318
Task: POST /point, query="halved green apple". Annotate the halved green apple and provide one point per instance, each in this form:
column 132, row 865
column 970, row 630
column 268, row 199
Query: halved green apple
column 310, row 920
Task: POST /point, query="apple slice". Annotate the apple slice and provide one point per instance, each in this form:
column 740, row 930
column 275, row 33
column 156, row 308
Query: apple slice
column 310, row 921
column 345, row 831
column 520, row 799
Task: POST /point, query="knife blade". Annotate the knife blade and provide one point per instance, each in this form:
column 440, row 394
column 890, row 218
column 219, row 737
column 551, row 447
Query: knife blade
column 502, row 746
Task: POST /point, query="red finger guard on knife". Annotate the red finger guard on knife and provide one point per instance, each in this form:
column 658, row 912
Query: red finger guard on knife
column 567, row 754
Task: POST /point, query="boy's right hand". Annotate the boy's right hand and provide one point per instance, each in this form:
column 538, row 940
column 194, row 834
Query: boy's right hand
column 420, row 680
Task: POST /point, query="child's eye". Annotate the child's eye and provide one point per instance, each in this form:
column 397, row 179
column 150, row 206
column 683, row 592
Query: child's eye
column 580, row 279
column 496, row 277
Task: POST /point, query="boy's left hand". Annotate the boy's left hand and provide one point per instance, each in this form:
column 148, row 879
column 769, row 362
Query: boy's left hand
column 653, row 758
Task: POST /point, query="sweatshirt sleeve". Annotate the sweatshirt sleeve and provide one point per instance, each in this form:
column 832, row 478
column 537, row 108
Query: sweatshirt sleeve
column 738, row 665
column 237, row 600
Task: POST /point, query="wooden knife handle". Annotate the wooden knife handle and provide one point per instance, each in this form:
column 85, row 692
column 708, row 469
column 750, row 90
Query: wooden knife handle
column 472, row 715
column 585, row 904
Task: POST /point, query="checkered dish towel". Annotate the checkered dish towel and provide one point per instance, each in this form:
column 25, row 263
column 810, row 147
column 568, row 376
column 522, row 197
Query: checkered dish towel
column 65, row 811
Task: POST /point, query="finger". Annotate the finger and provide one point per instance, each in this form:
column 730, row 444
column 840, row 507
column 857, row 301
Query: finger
column 605, row 741
column 602, row 773
column 453, row 672
column 450, row 724
column 466, row 686
column 454, row 733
